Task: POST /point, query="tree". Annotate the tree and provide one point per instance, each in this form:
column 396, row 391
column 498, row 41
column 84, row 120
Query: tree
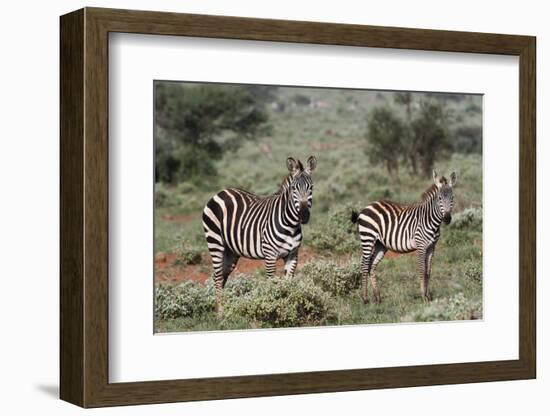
column 406, row 99
column 430, row 137
column 197, row 124
column 384, row 132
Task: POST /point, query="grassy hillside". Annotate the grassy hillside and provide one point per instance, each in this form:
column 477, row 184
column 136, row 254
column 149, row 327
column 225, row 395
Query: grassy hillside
column 333, row 129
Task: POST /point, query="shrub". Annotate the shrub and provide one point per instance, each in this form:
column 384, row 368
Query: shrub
column 333, row 278
column 161, row 197
column 165, row 197
column 239, row 285
column 279, row 302
column 336, row 233
column 301, row 100
column 455, row 308
column 187, row 299
column 381, row 192
column 186, row 253
column 471, row 218
column 473, row 271
column 456, row 238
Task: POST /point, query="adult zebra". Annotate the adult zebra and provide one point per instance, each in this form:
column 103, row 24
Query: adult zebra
column 238, row 224
column 387, row 225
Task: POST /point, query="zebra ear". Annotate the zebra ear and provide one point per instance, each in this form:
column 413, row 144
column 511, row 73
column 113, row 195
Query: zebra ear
column 292, row 165
column 453, row 178
column 311, row 164
column 436, row 179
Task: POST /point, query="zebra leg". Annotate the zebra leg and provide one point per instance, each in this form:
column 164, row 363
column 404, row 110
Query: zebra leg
column 270, row 264
column 377, row 256
column 429, row 257
column 218, row 266
column 291, row 261
column 230, row 260
column 421, row 261
column 221, row 273
column 367, row 244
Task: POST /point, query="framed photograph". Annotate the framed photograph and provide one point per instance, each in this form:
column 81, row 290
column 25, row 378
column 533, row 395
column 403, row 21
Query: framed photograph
column 255, row 207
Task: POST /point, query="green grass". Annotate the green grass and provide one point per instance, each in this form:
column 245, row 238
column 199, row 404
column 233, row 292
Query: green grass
column 344, row 179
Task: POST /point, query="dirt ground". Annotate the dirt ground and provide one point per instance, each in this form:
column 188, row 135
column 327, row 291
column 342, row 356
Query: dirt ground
column 166, row 269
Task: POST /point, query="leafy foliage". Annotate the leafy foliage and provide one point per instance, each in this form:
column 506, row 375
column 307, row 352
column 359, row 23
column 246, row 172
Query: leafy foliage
column 335, row 233
column 196, row 124
column 183, row 300
column 430, row 138
column 280, row 302
column 332, row 277
column 301, row 100
column 473, row 271
column 384, row 132
column 468, row 139
column 186, row 253
column 471, row 218
column 455, row 308
column 419, row 138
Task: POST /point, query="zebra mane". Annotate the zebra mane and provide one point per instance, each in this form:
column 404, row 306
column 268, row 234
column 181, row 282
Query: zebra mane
column 284, row 184
column 429, row 193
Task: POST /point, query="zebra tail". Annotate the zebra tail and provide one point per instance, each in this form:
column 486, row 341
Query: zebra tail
column 354, row 216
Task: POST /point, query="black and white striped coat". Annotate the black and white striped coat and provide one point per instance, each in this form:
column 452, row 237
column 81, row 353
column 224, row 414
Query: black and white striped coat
column 238, row 224
column 386, row 225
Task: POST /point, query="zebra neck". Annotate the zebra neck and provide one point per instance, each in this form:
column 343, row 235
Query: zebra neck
column 289, row 213
column 434, row 215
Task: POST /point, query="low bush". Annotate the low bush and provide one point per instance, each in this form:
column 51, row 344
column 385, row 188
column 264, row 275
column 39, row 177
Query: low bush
column 332, row 277
column 165, row 197
column 455, row 308
column 186, row 253
column 474, row 271
column 239, row 285
column 279, row 302
column 381, row 193
column 335, row 233
column 470, row 218
column 456, row 238
column 187, row 299
column 248, row 301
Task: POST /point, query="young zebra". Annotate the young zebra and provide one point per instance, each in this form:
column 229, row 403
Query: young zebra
column 238, row 224
column 387, row 225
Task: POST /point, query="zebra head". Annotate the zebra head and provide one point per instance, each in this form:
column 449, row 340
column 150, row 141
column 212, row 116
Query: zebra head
column 301, row 186
column 445, row 195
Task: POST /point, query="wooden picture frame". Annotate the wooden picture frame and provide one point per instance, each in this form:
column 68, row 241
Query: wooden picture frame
column 84, row 207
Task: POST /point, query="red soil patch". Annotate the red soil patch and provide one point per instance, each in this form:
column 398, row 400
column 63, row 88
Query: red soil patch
column 167, row 271
column 392, row 254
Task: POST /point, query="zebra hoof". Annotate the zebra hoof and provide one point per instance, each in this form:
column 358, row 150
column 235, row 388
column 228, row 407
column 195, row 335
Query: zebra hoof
column 365, row 301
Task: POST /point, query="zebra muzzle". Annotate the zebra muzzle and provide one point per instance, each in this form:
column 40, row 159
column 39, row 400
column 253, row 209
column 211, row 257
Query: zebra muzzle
column 447, row 219
column 304, row 215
